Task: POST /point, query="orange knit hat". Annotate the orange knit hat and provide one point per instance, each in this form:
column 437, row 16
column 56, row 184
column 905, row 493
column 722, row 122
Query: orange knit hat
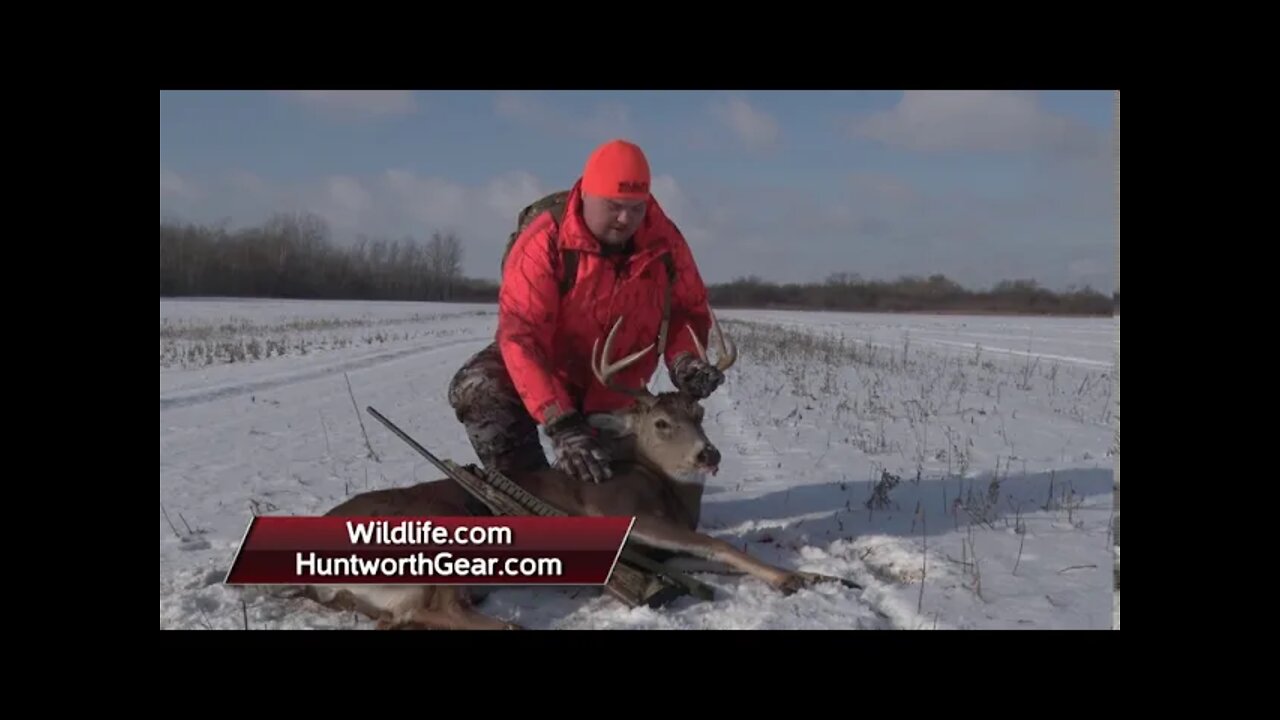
column 617, row 169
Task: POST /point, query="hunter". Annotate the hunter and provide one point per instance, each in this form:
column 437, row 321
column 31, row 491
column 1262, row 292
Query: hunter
column 578, row 260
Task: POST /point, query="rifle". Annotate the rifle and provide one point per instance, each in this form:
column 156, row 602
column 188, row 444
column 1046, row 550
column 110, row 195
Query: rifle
column 635, row 580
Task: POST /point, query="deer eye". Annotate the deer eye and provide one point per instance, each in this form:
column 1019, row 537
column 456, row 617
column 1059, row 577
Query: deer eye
column 661, row 424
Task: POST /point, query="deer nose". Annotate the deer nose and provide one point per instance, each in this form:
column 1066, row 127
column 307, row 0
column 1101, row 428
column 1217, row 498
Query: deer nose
column 709, row 456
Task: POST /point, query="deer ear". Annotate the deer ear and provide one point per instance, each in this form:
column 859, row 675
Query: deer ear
column 611, row 424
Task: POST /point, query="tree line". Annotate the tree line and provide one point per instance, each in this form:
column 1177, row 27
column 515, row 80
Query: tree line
column 936, row 293
column 293, row 256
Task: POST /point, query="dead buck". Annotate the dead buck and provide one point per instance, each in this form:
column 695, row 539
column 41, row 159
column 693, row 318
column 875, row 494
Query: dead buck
column 661, row 457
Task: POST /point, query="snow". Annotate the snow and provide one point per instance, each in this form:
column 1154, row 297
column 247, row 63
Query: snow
column 973, row 453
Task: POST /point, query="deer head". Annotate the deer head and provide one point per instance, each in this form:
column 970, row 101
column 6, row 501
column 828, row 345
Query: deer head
column 663, row 431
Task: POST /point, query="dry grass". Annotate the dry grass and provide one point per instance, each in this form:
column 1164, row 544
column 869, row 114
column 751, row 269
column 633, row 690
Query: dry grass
column 171, row 329
column 186, row 344
column 918, row 412
column 912, row 401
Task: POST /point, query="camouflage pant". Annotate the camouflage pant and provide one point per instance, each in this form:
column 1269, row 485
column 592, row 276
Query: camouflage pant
column 503, row 434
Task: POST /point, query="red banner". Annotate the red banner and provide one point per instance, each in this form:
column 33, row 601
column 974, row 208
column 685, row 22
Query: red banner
column 429, row 550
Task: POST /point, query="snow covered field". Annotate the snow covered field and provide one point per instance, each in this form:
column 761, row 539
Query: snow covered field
column 960, row 468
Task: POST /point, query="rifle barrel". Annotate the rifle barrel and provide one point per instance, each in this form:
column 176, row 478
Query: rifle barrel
column 412, row 443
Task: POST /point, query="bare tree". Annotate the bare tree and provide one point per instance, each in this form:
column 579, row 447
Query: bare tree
column 444, row 254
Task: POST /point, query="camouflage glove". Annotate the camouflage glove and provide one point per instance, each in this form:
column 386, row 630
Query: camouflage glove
column 692, row 375
column 578, row 453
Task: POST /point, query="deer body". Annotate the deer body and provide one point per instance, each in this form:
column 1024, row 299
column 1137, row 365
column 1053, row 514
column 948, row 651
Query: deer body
column 661, row 457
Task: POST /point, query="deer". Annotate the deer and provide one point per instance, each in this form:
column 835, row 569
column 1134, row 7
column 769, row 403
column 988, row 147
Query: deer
column 661, row 457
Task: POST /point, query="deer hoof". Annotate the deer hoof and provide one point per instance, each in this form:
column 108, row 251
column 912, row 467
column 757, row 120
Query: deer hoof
column 797, row 580
column 792, row 582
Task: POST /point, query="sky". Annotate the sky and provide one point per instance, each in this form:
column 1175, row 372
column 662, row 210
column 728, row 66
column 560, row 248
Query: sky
column 789, row 186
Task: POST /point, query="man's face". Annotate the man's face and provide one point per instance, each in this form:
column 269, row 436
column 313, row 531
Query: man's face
column 612, row 221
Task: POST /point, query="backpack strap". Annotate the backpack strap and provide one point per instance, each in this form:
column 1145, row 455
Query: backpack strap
column 568, row 271
column 666, row 304
column 568, row 258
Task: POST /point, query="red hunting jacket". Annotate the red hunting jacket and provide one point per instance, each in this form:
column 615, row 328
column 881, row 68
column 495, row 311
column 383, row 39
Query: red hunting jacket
column 546, row 340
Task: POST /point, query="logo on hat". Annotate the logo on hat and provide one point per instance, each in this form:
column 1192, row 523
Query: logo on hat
column 633, row 186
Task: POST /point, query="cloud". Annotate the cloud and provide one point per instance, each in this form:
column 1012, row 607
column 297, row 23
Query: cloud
column 605, row 120
column 878, row 225
column 416, row 202
column 345, row 201
column 393, row 204
column 691, row 217
column 881, row 225
column 755, row 128
column 975, row 121
column 508, row 194
column 358, row 103
column 249, row 182
column 175, row 187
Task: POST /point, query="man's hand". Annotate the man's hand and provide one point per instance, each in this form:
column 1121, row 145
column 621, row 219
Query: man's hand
column 578, row 453
column 694, row 376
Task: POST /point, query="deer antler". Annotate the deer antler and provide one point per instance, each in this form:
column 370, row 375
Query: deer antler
column 605, row 370
column 727, row 350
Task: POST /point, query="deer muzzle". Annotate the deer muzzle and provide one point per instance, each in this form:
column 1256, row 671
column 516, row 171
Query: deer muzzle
column 709, row 457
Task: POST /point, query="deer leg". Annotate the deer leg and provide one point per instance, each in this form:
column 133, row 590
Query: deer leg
column 654, row 532
column 450, row 609
column 686, row 564
column 431, row 619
